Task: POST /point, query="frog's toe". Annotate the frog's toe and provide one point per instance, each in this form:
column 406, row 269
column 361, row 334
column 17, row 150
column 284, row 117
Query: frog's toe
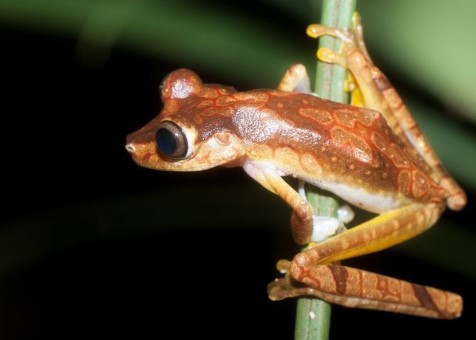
column 345, row 214
column 317, row 30
column 283, row 266
column 329, row 56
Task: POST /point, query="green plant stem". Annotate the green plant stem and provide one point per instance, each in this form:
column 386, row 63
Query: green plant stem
column 313, row 316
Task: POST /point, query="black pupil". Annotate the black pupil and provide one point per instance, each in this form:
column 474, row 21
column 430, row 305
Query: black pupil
column 166, row 141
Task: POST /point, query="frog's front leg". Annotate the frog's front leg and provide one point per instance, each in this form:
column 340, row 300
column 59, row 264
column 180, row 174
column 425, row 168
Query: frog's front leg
column 296, row 79
column 305, row 227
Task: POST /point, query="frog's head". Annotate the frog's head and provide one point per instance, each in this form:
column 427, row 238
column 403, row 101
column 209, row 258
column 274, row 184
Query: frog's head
column 192, row 132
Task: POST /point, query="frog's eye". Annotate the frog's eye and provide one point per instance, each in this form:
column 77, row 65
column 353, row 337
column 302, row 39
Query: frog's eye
column 172, row 141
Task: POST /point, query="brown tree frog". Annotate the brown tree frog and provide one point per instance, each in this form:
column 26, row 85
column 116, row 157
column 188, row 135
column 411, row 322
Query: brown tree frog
column 373, row 156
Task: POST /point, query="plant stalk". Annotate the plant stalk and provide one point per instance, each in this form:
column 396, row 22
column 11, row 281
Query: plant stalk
column 313, row 316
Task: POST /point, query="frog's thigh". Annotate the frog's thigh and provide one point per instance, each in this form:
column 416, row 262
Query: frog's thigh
column 381, row 96
column 381, row 232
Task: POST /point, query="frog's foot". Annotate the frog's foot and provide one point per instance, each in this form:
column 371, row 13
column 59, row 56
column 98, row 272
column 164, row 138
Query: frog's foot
column 286, row 287
column 353, row 41
column 352, row 55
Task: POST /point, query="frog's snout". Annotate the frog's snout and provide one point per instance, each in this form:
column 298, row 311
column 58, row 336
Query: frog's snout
column 135, row 141
column 131, row 142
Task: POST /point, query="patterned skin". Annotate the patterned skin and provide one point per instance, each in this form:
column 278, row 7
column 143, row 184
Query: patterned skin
column 374, row 157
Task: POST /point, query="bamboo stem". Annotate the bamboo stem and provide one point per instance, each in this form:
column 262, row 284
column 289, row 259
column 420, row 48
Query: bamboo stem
column 313, row 316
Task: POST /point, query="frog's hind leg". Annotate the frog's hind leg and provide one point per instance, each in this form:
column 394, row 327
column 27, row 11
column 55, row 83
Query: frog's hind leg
column 378, row 94
column 355, row 58
column 311, row 271
column 400, row 111
column 357, row 288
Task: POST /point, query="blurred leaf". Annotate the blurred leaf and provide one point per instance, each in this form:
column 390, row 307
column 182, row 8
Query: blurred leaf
column 208, row 37
column 455, row 145
column 429, row 42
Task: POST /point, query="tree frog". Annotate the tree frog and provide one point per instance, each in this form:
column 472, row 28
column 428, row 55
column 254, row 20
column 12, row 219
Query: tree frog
column 371, row 154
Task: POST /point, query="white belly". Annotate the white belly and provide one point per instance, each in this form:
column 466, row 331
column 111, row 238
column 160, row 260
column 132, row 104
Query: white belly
column 376, row 203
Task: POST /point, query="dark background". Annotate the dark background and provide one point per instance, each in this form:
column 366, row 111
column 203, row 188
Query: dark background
column 92, row 246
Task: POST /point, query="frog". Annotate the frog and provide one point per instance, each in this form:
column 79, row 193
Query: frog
column 371, row 153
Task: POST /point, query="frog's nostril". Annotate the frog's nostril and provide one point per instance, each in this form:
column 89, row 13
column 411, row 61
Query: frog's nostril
column 130, row 147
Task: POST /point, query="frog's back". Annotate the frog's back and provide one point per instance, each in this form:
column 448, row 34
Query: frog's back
column 341, row 148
